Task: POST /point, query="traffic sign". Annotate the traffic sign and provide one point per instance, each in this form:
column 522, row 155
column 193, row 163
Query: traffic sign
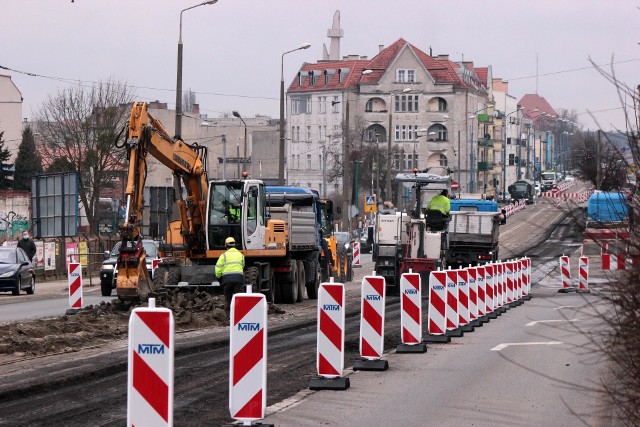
column 370, row 204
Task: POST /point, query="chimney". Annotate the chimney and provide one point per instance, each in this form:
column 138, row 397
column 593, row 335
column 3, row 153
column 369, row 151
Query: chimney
column 195, row 108
column 380, row 47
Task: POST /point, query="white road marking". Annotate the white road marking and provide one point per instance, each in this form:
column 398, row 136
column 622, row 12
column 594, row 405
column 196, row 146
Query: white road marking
column 551, row 321
column 507, row 344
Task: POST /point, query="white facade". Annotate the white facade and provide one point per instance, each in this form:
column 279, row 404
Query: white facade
column 10, row 115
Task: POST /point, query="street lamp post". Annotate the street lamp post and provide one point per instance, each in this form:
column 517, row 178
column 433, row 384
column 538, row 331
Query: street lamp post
column 178, row 126
column 281, row 145
column 244, row 160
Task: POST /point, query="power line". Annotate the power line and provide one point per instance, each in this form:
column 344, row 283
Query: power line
column 590, row 67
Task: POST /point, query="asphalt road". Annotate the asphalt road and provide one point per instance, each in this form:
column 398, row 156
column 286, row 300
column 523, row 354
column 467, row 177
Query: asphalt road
column 474, row 380
column 31, row 308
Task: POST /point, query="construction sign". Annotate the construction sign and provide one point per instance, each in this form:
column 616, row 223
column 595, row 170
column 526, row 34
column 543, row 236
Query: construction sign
column 370, row 204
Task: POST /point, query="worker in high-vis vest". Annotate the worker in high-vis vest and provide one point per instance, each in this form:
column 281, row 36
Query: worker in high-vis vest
column 440, row 203
column 230, row 272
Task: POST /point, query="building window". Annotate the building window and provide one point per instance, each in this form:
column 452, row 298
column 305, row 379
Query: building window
column 512, row 159
column 406, row 103
column 312, row 78
column 327, row 77
column 323, row 104
column 300, row 105
column 320, row 160
column 308, row 161
column 508, row 141
column 335, row 103
column 336, row 131
column 308, row 133
column 405, row 76
column 368, row 106
column 297, row 133
column 396, row 161
column 293, row 134
column 442, row 104
column 443, row 160
column 406, row 132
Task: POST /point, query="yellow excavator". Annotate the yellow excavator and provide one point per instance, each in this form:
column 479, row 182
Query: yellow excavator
column 275, row 263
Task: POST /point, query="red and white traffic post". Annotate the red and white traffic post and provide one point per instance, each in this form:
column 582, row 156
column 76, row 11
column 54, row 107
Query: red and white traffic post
column 437, row 311
column 472, row 273
column 330, row 339
column 584, row 274
column 248, row 357
column 356, row 255
column 453, row 326
column 411, row 314
column 565, row 275
column 150, row 373
column 75, row 287
column 490, row 290
column 464, row 317
column 372, row 309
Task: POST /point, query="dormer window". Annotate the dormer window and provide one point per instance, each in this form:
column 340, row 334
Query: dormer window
column 339, row 75
column 299, row 79
column 312, row 78
column 326, row 77
column 405, row 76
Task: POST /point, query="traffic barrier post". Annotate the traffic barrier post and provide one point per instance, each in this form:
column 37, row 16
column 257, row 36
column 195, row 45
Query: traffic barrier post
column 411, row 314
column 584, row 274
column 510, row 268
column 501, row 293
column 565, row 275
column 490, row 271
column 372, row 309
column 437, row 311
column 248, row 357
column 356, row 255
column 463, row 301
column 150, row 370
column 75, row 288
column 330, row 338
column 472, row 273
column 517, row 281
column 453, row 327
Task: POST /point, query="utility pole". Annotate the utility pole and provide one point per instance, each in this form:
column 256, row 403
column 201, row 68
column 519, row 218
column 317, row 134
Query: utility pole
column 346, row 169
column 598, row 162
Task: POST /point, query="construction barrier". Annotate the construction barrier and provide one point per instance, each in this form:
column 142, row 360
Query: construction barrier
column 372, row 309
column 356, row 255
column 248, row 357
column 150, row 372
column 463, row 297
column 411, row 308
column 486, row 282
column 565, row 272
column 518, row 280
column 330, row 362
column 509, row 274
column 436, row 314
column 525, row 276
column 472, row 273
column 452, row 299
column 583, row 270
column 499, row 286
column 75, row 285
column 613, row 262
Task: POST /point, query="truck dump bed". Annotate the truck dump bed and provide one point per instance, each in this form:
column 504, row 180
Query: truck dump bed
column 301, row 224
column 474, row 227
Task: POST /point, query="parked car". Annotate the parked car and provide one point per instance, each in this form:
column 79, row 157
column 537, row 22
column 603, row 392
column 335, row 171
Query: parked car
column 109, row 270
column 16, row 271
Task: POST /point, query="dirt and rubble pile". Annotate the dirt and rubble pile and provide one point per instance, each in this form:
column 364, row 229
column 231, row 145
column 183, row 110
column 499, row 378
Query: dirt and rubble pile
column 95, row 325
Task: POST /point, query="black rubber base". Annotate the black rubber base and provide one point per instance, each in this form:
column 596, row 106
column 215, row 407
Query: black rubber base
column 370, row 365
column 72, row 311
column 322, row 383
column 253, row 424
column 455, row 333
column 567, row 290
column 467, row 328
column 477, row 322
column 527, row 297
column 436, row 338
column 411, row 348
column 493, row 315
column 583, row 291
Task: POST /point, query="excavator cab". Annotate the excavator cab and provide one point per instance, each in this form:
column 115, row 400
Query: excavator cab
column 237, row 209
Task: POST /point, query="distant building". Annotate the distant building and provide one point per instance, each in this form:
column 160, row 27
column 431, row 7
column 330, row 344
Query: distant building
column 10, row 114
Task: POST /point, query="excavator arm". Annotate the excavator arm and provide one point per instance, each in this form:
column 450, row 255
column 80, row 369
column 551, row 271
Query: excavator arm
column 146, row 136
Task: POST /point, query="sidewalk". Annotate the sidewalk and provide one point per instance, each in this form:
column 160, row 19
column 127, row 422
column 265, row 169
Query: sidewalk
column 50, row 289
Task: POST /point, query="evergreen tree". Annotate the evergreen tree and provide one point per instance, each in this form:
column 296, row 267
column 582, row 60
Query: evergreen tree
column 28, row 162
column 5, row 167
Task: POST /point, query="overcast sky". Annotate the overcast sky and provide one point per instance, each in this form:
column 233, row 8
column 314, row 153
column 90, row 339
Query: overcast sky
column 232, row 50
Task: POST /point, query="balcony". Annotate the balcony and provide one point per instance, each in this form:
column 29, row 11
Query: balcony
column 485, row 166
column 485, row 118
column 437, row 146
column 485, row 142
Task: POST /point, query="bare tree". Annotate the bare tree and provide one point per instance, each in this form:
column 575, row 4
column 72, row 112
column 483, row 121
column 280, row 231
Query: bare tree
column 79, row 127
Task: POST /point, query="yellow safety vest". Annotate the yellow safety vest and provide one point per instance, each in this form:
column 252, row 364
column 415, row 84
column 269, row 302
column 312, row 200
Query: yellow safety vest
column 440, row 203
column 232, row 261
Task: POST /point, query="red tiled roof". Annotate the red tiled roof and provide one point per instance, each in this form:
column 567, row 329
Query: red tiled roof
column 442, row 70
column 483, row 73
column 531, row 101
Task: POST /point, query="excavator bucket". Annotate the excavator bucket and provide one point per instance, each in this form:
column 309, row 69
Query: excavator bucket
column 133, row 282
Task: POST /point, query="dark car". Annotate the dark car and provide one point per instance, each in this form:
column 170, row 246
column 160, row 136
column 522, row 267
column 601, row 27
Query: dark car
column 108, row 271
column 16, row 271
column 366, row 240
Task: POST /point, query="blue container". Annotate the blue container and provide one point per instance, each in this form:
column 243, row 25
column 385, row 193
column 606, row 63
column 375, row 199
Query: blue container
column 471, row 205
column 607, row 207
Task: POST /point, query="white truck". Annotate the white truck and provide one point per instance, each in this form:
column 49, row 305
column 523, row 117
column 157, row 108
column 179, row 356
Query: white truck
column 473, row 238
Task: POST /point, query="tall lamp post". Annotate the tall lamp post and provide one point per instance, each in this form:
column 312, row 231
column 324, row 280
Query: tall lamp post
column 244, row 160
column 281, row 146
column 179, row 74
